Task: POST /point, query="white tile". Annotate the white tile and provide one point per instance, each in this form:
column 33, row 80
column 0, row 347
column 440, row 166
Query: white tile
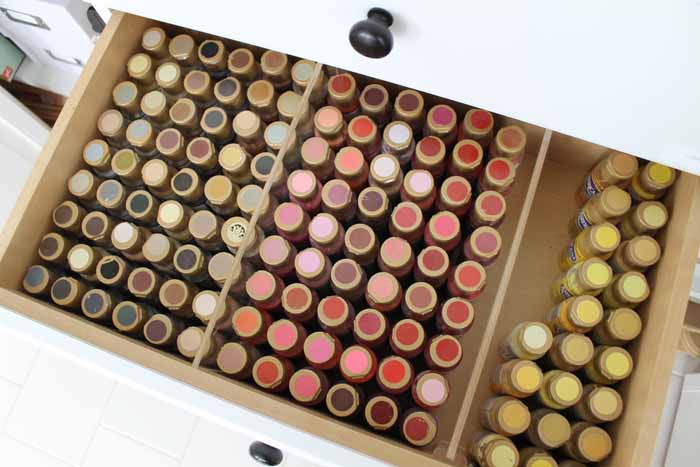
column 8, row 396
column 16, row 357
column 16, row 454
column 158, row 424
column 213, row 444
column 59, row 407
column 110, row 449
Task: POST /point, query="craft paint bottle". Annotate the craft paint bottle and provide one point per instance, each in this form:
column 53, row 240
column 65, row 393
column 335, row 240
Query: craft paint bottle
column 236, row 360
column 373, row 208
column 98, row 227
column 230, row 95
column 430, row 156
column 382, row 412
column 305, row 190
column 199, row 87
column 322, row 350
column 483, row 245
column 617, row 168
column 183, row 49
column 98, row 305
column 599, row 404
column 235, row 162
column 191, row 339
column 548, row 429
column 242, row 65
column 157, row 176
column 302, row 72
column 420, row 301
column 335, row 315
column 364, row 135
column 155, row 41
column 385, row 173
column 308, row 386
column 299, row 302
column 344, row 400
column 560, row 390
column 69, row 216
column 419, row 187
column 374, row 101
column 489, row 209
column 535, row 457
column 286, row 338
column 598, row 240
column 142, row 137
column 98, row 155
column 265, row 290
column 54, row 248
column 418, row 428
column 213, row 55
column 343, row 94
column 317, row 157
column 191, row 262
column 262, row 97
column 216, row 124
column 498, row 175
column 205, row 228
column 174, row 218
column 407, row 222
column 651, row 182
column 221, row 193
column 292, row 223
column 275, row 135
column 313, row 269
column 610, row 205
column 163, row 330
column 384, row 292
column 329, row 125
column 154, row 105
column 395, row 375
column 171, row 145
column 358, row 364
column 361, row 245
column 176, row 295
column 275, row 68
column 249, row 198
column 127, row 165
column 570, row 352
column 618, row 327
column 430, row 390
column 441, row 122
column 348, row 280
column 201, row 153
column 221, row 267
column 510, row 142
column 141, row 69
column 575, row 314
column 288, row 105
column 261, row 168
column 396, row 257
column 249, row 131
column 113, row 271
column 398, row 141
column 407, row 338
column 517, row 378
column 185, row 115
column 627, row 290
column 112, row 126
column 38, row 280
column 83, row 185
column 204, row 307
column 83, row 260
column 371, row 328
column 143, row 208
column 455, row 317
column 159, row 250
column 637, row 254
column 277, row 255
column 233, row 233
column 144, row 284
column 432, row 266
column 169, row 77
column 467, row 280
column 455, row 196
column 409, row 107
column 466, row 159
column 609, row 365
column 587, row 278
column 272, row 373
column 443, row 352
column 505, row 415
column 477, row 126
column 493, row 450
column 351, row 167
column 529, row 340
column 646, row 218
column 588, row 443
column 251, row 324
column 131, row 317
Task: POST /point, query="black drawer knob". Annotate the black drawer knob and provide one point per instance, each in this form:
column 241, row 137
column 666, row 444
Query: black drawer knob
column 372, row 37
column 265, row 454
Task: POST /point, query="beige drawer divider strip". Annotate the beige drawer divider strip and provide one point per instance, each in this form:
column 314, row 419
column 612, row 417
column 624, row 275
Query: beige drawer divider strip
column 498, row 301
column 276, row 167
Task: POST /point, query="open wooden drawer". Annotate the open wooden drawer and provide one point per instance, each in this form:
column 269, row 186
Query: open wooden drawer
column 534, row 233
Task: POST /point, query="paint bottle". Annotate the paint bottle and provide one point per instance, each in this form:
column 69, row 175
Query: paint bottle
column 371, row 328
column 154, row 105
column 374, row 101
column 505, row 415
column 345, row 400
column 129, row 239
column 191, row 339
column 234, row 232
column 570, row 352
column 112, row 195
column 289, row 105
column 548, row 429
column 395, row 375
column 141, row 69
column 157, row 176
column 559, row 390
column 249, row 198
column 201, row 153
column 242, row 65
column 396, row 257
column 348, row 280
column 588, row 443
column 364, row 135
column 498, row 175
column 575, row 314
column 535, row 457
column 54, row 248
column 407, row 338
column 204, row 307
column 493, row 450
column 212, row 54
column 651, row 182
column 185, row 115
column 83, row 259
column 619, row 326
column 467, row 280
column 510, row 142
column 598, row 240
column 265, row 290
column 637, row 254
column 174, row 218
column 131, row 317
column 477, row 126
column 432, row 266
column 159, row 250
column 338, row 200
column 483, row 245
column 351, row 167
column 262, row 170
column 617, row 168
column 249, row 131
column 235, row 162
column 221, row 268
column 609, row 365
column 398, row 141
column 455, row 317
column 191, row 262
column 419, row 187
column 275, row 68
column 358, row 364
column 83, row 185
column 171, row 145
column 382, row 412
column 373, row 208
column 430, row 155
column 236, row 360
column 302, row 72
column 155, row 41
column 177, row 295
column 455, row 196
column 599, row 404
column 144, row 284
column 329, row 125
column 205, row 228
column 98, row 227
column 112, row 126
column 361, row 245
column 69, row 216
column 292, row 223
column 230, row 95
column 262, row 97
column 38, row 280
column 587, row 278
column 466, row 159
column 200, row 88
column 183, row 49
column 443, row 352
column 343, row 94
column 430, row 390
column 305, row 190
column 418, row 428
column 308, row 386
column 529, row 340
column 407, row 222
column 420, row 301
column 299, row 302
column 646, row 217
column 610, row 205
column 169, row 76
column 162, row 330
column 98, row 155
column 385, row 173
column 313, row 268
column 317, row 157
column 275, row 134
column 277, row 255
column 384, row 292
column 489, row 209
column 322, row 350
column 251, row 324
column 220, row 193
column 98, row 305
column 409, row 107
column 216, row 124
column 143, row 208
column 517, row 378
column 441, row 122
column 443, row 230
column 627, row 290
column 113, row 271
column 142, row 137
column 286, row 338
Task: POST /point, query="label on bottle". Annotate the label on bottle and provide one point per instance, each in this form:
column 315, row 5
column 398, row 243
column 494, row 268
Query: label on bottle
column 589, row 187
column 582, row 221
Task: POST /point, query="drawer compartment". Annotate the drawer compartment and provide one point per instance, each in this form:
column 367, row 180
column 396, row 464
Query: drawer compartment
column 516, row 289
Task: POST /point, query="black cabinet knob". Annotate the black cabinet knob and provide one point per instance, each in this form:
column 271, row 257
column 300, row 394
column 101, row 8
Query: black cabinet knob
column 265, row 454
column 372, row 37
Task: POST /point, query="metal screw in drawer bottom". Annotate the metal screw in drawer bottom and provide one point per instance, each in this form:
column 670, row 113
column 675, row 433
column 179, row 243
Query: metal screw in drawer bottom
column 265, row 454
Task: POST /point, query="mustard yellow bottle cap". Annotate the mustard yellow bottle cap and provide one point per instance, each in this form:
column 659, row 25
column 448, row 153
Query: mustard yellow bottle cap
column 554, row 429
column 623, row 164
column 502, row 453
column 634, row 286
column 597, row 273
column 606, row 236
column 616, row 363
column 616, row 200
column 653, row 214
column 527, row 377
column 514, row 416
column 587, row 311
column 660, row 174
column 605, row 403
column 566, row 388
column 625, row 324
column 594, row 443
column 577, row 349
